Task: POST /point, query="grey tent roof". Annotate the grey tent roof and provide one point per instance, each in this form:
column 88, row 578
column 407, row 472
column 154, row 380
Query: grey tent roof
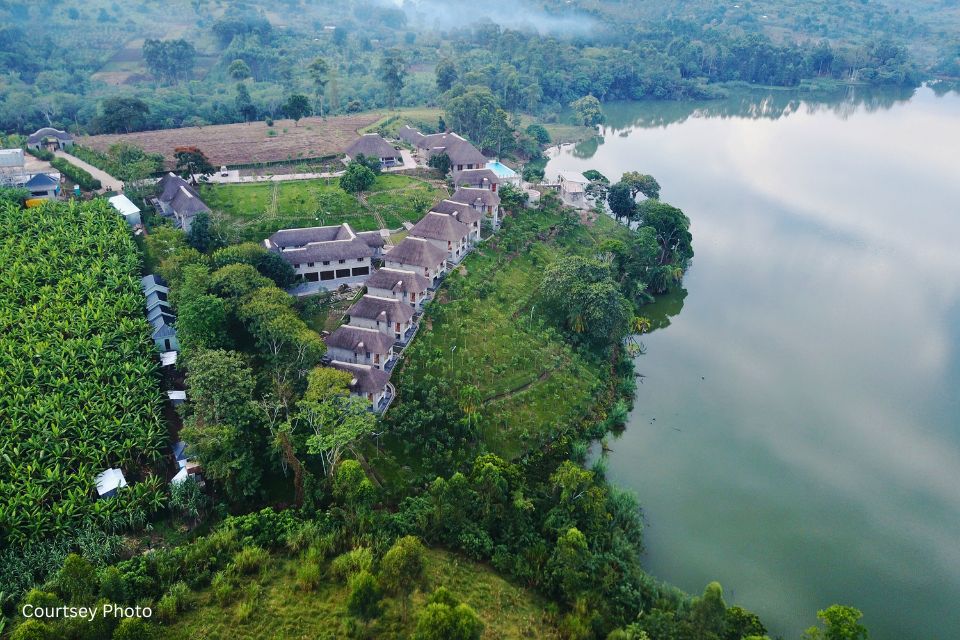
column 464, row 212
column 398, row 281
column 417, row 252
column 148, row 281
column 366, row 379
column 440, row 226
column 372, row 146
column 358, row 340
column 48, row 132
column 41, row 181
column 387, row 310
column 161, row 328
column 471, row 196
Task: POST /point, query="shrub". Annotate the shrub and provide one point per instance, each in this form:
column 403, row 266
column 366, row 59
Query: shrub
column 32, row 630
column 80, row 176
column 134, row 629
column 250, row 560
column 308, row 575
column 352, row 562
column 224, row 587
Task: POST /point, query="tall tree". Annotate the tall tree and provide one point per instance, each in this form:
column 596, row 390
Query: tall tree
column 620, row 199
column 192, row 163
column 296, row 107
column 239, row 70
column 403, row 569
column 357, row 178
column 122, row 114
column 393, row 72
column 446, row 73
column 245, row 106
column 222, row 425
column 672, row 228
column 588, row 111
column 839, row 623
column 319, row 72
column 641, row 183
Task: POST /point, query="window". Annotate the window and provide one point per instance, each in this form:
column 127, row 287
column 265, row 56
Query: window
column 413, row 297
column 313, row 276
column 326, row 275
column 343, row 273
column 309, row 264
column 361, row 271
column 342, row 261
column 326, row 262
column 359, row 259
column 296, row 265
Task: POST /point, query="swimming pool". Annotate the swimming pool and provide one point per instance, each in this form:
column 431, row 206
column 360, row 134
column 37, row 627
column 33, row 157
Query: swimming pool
column 502, row 170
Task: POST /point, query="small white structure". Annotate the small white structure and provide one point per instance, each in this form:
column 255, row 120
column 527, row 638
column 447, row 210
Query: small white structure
column 573, row 188
column 168, row 358
column 109, row 482
column 177, row 397
column 126, row 208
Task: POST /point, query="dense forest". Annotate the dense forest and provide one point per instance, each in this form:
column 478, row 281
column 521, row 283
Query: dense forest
column 106, row 66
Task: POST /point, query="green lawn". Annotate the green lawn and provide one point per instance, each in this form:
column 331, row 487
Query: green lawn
column 254, row 211
column 487, row 333
column 271, row 606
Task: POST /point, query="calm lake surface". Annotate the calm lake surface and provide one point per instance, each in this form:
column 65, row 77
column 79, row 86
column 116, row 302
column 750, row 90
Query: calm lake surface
column 797, row 434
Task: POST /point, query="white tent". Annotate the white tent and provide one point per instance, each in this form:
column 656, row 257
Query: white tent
column 126, row 208
column 109, row 481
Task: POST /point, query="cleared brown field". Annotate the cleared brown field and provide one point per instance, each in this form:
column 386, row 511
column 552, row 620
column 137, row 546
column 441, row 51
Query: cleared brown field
column 248, row 143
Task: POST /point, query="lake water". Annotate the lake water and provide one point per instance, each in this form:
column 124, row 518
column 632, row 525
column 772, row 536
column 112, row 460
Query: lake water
column 797, row 434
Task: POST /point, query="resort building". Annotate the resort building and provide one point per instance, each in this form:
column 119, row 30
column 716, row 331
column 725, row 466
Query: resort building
column 462, row 154
column 387, row 315
column 445, row 232
column 359, row 345
column 464, row 213
column 159, row 314
column 330, row 256
column 43, row 185
column 369, row 383
column 406, row 286
column 371, row 145
column 485, row 201
column 477, row 179
column 418, row 255
column 180, row 200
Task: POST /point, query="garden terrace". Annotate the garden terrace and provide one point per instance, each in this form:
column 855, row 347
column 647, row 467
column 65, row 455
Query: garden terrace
column 254, row 211
column 79, row 388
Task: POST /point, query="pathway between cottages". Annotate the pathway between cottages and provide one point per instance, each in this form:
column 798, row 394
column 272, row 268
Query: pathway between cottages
column 108, row 181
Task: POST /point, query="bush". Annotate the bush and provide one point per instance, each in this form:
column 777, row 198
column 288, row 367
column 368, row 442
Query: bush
column 224, row 587
column 76, row 174
column 32, row 630
column 42, row 154
column 308, row 575
column 250, row 560
column 352, row 562
column 134, row 629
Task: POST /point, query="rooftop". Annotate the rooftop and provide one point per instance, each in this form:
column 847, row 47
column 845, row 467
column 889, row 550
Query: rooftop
column 358, row 339
column 398, row 280
column 440, row 226
column 372, row 146
column 366, row 379
column 418, row 252
column 387, row 310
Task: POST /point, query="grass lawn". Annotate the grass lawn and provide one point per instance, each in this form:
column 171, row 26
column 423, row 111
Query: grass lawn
column 272, row 606
column 417, row 118
column 487, row 333
column 254, row 211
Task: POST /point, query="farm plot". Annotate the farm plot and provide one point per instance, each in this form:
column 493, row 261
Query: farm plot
column 248, row 143
column 79, row 391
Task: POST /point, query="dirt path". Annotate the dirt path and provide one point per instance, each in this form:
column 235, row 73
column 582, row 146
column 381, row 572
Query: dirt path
column 109, row 182
column 526, row 385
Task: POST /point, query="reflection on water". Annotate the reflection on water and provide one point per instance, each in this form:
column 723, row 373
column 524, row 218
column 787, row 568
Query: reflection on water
column 797, row 434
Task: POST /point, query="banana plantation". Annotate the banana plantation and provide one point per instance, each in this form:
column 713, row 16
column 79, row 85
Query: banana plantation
column 79, row 391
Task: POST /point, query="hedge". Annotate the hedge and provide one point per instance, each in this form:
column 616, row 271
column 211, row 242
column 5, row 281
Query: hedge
column 76, row 174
